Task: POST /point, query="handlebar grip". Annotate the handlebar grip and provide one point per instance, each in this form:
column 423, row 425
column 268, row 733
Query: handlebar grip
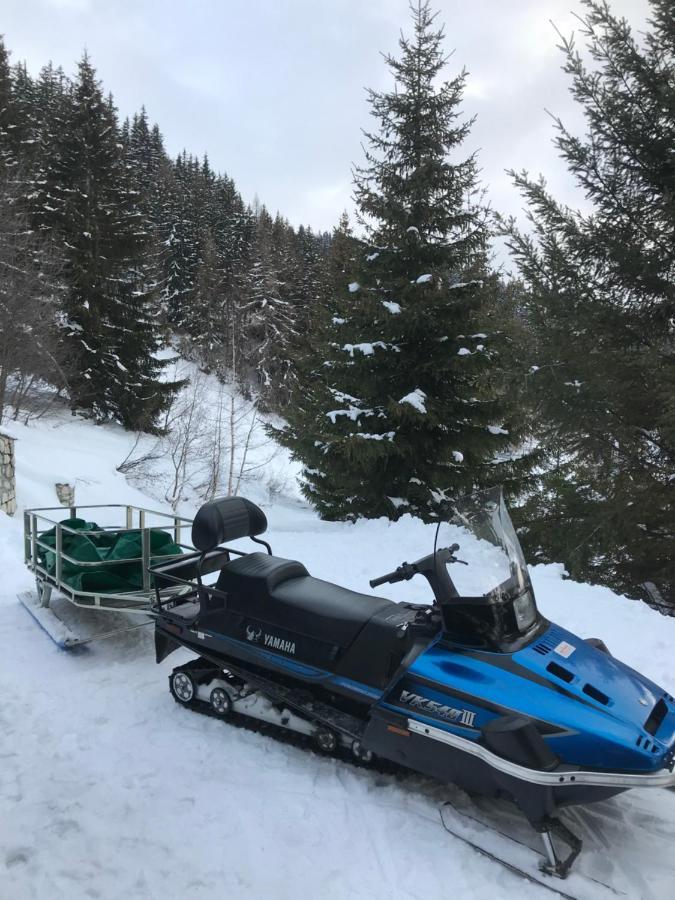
column 376, row 582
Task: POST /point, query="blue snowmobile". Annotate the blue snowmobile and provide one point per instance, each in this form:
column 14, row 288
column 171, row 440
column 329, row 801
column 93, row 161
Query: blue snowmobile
column 477, row 688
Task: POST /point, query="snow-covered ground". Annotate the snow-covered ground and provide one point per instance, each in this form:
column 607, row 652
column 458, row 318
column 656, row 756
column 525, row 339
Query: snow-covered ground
column 108, row 789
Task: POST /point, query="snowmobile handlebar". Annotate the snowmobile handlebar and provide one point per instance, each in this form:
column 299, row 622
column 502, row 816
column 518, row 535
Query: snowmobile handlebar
column 406, row 570
column 404, row 573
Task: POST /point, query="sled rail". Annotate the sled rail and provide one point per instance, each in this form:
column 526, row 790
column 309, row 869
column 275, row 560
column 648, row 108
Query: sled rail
column 118, row 518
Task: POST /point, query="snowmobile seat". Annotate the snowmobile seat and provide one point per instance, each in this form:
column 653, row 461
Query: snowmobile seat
column 255, row 576
column 324, row 611
column 281, row 593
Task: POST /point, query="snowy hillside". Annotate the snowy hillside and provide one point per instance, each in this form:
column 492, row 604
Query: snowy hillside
column 108, row 789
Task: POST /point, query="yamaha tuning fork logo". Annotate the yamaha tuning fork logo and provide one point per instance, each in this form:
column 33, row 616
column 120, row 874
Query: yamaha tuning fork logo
column 256, row 635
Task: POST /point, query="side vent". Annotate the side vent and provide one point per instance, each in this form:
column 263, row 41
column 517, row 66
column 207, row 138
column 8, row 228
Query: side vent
column 593, row 692
column 559, row 672
column 549, row 642
column 656, row 716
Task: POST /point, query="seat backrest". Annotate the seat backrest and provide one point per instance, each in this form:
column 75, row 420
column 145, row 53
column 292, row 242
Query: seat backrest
column 226, row 519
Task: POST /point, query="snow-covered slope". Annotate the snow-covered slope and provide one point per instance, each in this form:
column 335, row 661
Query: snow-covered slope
column 108, row 789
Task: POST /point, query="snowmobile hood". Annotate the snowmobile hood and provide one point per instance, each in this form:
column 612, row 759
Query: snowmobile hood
column 597, row 678
column 592, row 709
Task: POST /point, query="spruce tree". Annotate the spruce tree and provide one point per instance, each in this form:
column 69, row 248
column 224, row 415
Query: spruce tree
column 8, row 158
column 266, row 316
column 108, row 326
column 402, row 413
column 602, row 310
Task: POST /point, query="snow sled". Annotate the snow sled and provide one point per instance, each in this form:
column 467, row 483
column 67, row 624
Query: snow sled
column 476, row 688
column 84, row 567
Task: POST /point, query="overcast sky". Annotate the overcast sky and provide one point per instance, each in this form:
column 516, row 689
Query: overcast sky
column 274, row 90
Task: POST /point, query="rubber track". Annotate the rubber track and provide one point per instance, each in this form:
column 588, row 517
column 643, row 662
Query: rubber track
column 286, row 736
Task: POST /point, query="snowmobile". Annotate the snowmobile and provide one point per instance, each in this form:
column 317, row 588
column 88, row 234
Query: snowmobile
column 477, row 688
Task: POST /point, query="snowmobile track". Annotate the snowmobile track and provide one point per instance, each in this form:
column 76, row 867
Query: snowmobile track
column 286, row 736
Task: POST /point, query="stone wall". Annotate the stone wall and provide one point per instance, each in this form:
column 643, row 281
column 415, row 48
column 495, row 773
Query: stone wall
column 7, row 475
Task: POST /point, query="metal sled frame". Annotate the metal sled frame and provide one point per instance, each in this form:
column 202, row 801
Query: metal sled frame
column 128, row 518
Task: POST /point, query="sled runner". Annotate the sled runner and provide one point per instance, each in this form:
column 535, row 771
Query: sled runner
column 96, row 560
column 476, row 688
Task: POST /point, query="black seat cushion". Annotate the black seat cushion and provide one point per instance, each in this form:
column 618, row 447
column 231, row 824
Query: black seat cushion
column 280, row 592
column 255, row 575
column 323, row 610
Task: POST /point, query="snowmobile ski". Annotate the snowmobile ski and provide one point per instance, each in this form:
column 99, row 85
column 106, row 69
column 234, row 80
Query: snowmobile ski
column 518, row 857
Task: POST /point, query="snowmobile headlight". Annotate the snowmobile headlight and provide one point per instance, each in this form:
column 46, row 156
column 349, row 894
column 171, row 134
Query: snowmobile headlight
column 525, row 610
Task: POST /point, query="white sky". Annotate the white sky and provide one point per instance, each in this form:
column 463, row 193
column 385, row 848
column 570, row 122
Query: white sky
column 274, row 90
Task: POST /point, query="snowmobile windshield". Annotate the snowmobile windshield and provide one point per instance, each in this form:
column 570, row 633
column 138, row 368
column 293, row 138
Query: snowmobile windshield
column 494, row 598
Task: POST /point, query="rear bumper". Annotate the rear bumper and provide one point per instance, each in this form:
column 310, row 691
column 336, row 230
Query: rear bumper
column 559, row 778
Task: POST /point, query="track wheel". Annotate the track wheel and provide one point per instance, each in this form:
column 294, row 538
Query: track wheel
column 221, row 702
column 183, row 687
column 326, row 740
column 361, row 753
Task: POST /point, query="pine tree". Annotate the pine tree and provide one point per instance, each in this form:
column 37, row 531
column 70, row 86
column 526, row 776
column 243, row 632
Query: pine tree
column 111, row 335
column 266, row 317
column 602, row 311
column 182, row 244
column 402, row 413
column 51, row 111
column 148, row 169
column 8, row 159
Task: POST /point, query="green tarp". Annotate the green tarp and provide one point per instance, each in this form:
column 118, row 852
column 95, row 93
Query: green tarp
column 102, row 548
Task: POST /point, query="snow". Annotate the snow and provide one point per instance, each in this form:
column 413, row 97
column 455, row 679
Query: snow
column 367, row 348
column 354, row 287
column 463, row 284
column 496, row 429
column 415, row 399
column 352, row 412
column 341, row 397
column 458, row 456
column 387, row 436
column 423, row 279
column 463, row 351
column 394, row 308
column 109, row 789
